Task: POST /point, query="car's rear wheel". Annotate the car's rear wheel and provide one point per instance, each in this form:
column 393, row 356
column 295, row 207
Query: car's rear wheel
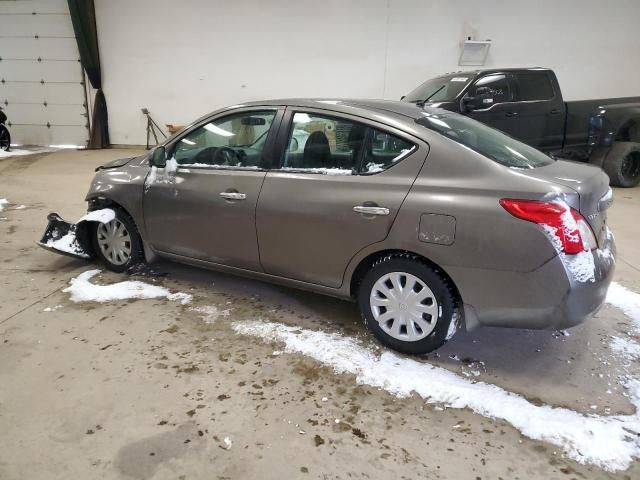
column 117, row 243
column 5, row 138
column 407, row 304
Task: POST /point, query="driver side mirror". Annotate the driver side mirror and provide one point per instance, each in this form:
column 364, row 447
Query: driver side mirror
column 482, row 99
column 159, row 157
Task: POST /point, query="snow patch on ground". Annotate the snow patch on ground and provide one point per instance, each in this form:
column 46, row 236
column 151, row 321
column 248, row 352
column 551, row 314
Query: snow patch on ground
column 17, row 152
column 625, row 347
column 609, row 442
column 210, row 313
column 626, row 300
column 82, row 290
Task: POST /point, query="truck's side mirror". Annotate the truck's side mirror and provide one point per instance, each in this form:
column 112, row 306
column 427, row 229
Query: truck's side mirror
column 482, row 99
column 468, row 104
column 159, row 157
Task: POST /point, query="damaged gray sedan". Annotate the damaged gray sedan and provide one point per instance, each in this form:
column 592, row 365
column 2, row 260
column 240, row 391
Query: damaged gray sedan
column 426, row 218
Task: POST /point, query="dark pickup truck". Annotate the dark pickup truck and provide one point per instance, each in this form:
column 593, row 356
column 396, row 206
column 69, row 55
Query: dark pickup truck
column 527, row 104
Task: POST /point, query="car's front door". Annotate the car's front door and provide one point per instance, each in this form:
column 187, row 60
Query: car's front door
column 202, row 204
column 497, row 106
column 339, row 187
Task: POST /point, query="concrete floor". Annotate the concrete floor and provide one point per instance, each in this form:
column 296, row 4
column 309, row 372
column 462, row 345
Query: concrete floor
column 145, row 389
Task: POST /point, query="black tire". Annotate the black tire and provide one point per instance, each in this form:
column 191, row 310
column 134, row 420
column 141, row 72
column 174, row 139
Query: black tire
column 137, row 254
column 5, row 138
column 622, row 164
column 442, row 291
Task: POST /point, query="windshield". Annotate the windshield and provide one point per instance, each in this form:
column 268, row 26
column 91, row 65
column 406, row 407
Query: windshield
column 488, row 141
column 439, row 89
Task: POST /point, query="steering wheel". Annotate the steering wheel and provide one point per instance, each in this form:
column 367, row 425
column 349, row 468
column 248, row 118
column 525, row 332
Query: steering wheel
column 224, row 156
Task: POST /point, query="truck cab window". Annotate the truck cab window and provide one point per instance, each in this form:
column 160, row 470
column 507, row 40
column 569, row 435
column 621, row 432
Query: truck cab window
column 495, row 89
column 534, row 86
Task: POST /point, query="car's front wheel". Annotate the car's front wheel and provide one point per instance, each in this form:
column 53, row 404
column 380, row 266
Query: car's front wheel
column 117, row 243
column 407, row 304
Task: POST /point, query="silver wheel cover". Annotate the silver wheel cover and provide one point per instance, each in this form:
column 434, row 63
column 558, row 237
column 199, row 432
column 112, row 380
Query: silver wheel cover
column 114, row 241
column 404, row 306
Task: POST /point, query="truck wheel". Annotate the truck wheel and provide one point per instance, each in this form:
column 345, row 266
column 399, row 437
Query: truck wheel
column 622, row 164
column 5, row 138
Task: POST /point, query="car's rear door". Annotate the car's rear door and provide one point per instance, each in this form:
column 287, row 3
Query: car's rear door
column 339, row 185
column 202, row 205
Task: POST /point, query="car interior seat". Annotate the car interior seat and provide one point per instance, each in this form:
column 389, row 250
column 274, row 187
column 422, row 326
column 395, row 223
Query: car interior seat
column 317, row 153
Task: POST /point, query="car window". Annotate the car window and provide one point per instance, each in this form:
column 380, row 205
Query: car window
column 383, row 150
column 234, row 141
column 323, row 144
column 496, row 87
column 337, row 146
column 534, row 86
column 485, row 140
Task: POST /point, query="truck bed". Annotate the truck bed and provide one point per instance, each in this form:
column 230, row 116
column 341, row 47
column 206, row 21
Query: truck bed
column 578, row 114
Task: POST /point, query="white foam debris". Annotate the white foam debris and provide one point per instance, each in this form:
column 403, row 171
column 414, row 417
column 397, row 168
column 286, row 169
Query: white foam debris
column 581, row 266
column 324, row 171
column 3, row 203
column 210, row 313
column 227, row 442
column 52, row 309
column 609, row 442
column 165, row 175
column 82, row 290
column 68, row 243
column 104, row 215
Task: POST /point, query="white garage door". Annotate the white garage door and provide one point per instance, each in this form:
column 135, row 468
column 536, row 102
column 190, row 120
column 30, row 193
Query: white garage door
column 41, row 89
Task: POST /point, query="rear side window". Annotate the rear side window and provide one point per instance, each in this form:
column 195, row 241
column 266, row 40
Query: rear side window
column 338, row 146
column 534, row 86
column 383, row 151
column 485, row 140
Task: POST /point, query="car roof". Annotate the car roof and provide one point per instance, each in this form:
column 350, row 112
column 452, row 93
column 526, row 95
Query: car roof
column 401, row 111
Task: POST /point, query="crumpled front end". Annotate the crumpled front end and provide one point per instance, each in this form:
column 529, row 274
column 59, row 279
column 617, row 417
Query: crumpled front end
column 72, row 239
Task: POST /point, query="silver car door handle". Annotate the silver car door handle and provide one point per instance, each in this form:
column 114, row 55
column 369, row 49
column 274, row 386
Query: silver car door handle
column 233, row 195
column 371, row 210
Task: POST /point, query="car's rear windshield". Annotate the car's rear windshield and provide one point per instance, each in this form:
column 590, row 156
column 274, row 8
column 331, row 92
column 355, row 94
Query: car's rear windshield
column 439, row 89
column 485, row 140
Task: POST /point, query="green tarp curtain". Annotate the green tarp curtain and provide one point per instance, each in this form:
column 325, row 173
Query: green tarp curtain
column 83, row 18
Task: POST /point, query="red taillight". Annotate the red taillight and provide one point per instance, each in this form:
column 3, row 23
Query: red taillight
column 568, row 225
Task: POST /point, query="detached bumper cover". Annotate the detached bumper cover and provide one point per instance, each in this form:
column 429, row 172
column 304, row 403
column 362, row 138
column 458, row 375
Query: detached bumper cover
column 66, row 238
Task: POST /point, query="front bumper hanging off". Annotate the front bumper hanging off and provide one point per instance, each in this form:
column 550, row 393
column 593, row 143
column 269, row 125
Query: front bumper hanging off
column 67, row 238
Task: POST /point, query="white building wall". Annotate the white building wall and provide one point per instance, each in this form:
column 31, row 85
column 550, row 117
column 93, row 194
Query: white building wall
column 183, row 59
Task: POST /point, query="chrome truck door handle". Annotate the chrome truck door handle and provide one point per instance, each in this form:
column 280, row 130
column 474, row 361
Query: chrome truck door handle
column 233, row 196
column 365, row 210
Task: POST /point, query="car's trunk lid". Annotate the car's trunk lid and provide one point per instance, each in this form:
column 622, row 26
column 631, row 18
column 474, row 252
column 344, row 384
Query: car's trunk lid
column 591, row 184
